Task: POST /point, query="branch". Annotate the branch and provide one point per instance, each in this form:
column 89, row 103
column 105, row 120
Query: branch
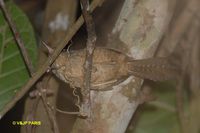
column 42, row 93
column 187, row 45
column 18, row 38
column 120, row 103
column 51, row 114
column 74, row 28
column 86, row 109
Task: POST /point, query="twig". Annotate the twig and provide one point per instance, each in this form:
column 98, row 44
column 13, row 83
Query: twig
column 74, row 28
column 86, row 106
column 41, row 89
column 180, row 95
column 67, row 112
column 18, row 38
column 50, row 113
column 34, row 108
column 77, row 105
column 33, row 114
column 191, row 35
column 194, row 67
column 42, row 93
column 22, row 48
column 29, row 66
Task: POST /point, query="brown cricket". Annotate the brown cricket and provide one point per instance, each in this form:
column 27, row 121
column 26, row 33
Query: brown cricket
column 110, row 67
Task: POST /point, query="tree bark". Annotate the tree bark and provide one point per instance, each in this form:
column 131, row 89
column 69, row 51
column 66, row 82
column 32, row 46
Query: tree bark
column 136, row 31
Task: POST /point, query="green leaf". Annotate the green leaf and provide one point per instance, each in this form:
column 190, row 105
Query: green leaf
column 13, row 72
column 160, row 115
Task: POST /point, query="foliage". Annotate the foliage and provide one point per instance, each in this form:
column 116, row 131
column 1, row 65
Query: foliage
column 13, row 72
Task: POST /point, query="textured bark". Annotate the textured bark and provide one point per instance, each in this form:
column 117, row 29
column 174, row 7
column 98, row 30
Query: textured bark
column 136, row 31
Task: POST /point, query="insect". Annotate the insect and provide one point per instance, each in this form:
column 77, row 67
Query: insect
column 109, row 68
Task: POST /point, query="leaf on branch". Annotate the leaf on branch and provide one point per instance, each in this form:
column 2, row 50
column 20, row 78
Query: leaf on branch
column 13, row 72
